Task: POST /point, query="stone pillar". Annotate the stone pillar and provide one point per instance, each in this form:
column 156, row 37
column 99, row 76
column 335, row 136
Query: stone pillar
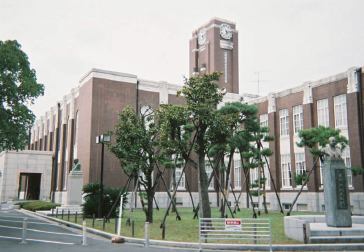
column 74, row 188
column 336, row 193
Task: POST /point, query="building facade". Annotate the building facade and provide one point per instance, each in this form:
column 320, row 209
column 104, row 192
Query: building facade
column 69, row 128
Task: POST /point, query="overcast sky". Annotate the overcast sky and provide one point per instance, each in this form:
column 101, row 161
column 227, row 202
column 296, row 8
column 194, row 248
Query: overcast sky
column 288, row 42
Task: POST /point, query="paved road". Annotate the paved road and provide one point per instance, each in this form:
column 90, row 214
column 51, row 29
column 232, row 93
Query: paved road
column 43, row 235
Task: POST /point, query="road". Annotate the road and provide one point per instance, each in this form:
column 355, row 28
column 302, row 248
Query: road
column 44, row 235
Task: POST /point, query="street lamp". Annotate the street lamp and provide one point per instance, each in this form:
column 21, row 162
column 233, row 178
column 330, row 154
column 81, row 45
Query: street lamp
column 102, row 139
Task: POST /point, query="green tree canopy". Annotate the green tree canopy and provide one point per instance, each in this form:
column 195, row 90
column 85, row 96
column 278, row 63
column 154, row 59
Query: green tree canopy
column 135, row 147
column 18, row 89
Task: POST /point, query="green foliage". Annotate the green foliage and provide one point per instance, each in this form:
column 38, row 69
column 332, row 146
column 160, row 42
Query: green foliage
column 315, row 137
column 18, row 89
column 37, row 205
column 299, row 178
column 143, row 195
column 255, row 193
column 91, row 197
column 356, row 170
column 169, row 165
column 136, row 145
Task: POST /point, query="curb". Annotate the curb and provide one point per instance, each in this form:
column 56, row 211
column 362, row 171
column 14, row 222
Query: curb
column 279, row 247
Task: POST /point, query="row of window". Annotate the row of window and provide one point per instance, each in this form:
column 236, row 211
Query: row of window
column 322, row 115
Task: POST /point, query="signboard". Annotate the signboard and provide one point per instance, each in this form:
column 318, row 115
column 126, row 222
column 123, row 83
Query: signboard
column 232, row 225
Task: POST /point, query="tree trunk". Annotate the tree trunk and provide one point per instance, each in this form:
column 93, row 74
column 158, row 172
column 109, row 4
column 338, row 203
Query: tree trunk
column 203, row 179
column 149, row 211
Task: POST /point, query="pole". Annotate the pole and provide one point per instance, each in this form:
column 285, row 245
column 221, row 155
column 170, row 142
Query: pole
column 101, row 178
column 120, row 214
column 146, row 235
column 23, row 237
column 84, row 232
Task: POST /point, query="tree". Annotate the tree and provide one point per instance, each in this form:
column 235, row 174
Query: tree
column 314, row 139
column 18, row 89
column 135, row 147
column 91, row 196
column 202, row 96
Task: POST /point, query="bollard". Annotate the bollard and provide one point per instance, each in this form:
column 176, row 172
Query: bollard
column 132, row 229
column 146, row 244
column 164, row 231
column 76, row 218
column 84, row 232
column 93, row 220
column 56, row 213
column 23, row 237
column 62, row 213
column 304, row 233
column 52, row 211
column 68, row 218
column 103, row 223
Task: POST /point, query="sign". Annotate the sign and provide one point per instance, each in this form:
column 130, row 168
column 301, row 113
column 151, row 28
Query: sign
column 232, row 225
column 341, row 187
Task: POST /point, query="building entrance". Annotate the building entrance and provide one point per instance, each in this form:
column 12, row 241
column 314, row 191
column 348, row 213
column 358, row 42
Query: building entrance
column 29, row 186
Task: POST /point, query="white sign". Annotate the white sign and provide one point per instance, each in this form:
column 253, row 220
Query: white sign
column 232, row 225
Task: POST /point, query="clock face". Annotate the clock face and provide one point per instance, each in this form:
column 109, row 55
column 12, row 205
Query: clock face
column 202, row 37
column 225, row 31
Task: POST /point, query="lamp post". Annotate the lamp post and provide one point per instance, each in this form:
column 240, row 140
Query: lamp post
column 102, row 139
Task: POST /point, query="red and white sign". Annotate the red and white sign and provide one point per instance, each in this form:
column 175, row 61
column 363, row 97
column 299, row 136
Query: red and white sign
column 232, row 225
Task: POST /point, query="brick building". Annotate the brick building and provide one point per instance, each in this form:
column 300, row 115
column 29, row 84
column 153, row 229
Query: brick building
column 69, row 128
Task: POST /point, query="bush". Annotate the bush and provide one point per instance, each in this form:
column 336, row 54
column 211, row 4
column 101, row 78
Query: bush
column 91, row 197
column 37, row 205
column 299, row 178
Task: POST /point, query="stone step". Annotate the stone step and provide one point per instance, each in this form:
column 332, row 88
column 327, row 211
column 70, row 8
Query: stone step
column 336, row 239
column 320, row 230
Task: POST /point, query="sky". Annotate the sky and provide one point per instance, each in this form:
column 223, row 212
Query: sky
column 286, row 42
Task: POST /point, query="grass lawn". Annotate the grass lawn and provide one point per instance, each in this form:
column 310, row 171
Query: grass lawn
column 185, row 230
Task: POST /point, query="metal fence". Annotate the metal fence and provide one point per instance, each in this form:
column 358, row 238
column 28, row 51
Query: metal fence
column 235, row 229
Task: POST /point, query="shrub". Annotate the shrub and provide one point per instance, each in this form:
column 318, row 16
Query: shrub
column 91, row 197
column 37, row 205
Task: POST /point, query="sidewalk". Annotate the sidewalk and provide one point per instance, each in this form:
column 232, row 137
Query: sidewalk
column 245, row 247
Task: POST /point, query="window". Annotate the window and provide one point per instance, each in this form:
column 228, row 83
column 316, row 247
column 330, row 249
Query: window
column 284, row 122
column 178, row 175
column 76, row 137
column 254, row 175
column 264, row 121
column 225, row 54
column 267, row 175
column 323, row 112
column 340, row 110
column 208, row 169
column 297, row 118
column 300, row 163
column 146, row 112
column 237, row 174
column 347, row 160
column 178, row 172
column 286, row 170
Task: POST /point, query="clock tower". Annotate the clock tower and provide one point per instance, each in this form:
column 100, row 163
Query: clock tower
column 214, row 47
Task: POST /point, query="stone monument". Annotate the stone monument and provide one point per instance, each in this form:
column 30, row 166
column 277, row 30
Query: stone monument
column 336, row 190
column 74, row 185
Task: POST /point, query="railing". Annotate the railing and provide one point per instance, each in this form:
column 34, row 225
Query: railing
column 235, row 229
